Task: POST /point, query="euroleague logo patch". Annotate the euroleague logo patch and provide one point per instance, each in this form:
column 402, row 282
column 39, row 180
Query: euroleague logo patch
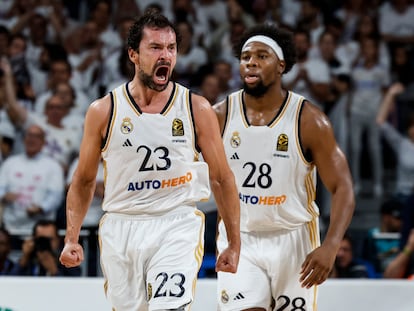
column 282, row 142
column 177, row 127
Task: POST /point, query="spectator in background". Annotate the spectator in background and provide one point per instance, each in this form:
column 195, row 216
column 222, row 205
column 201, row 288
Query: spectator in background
column 17, row 58
column 75, row 115
column 39, row 73
column 396, row 21
column 382, row 244
column 350, row 51
column 31, row 185
column 337, row 101
column 220, row 43
column 40, row 253
column 62, row 142
column 60, row 70
column 124, row 9
column 309, row 77
column 335, row 104
column 349, row 13
column 347, row 266
column 4, row 40
column 222, row 69
column 6, row 264
column 402, row 64
column 87, row 62
column 370, row 80
column 190, row 56
column 311, row 19
column 403, row 264
column 126, row 71
column 7, row 137
column 113, row 66
column 210, row 88
column 401, row 144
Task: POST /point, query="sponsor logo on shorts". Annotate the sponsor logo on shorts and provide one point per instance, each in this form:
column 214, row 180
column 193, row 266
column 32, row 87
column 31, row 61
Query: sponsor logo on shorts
column 224, row 296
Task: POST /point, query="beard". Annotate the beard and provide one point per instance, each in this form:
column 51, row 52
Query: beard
column 257, row 91
column 147, row 80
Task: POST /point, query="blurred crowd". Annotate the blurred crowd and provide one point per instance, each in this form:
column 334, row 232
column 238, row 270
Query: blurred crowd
column 354, row 60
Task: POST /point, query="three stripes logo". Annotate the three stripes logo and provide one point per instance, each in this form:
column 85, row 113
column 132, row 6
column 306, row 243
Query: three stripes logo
column 127, row 143
column 239, row 296
column 235, row 156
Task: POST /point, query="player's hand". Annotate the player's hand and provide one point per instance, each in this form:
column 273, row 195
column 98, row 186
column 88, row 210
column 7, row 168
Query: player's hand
column 72, row 255
column 228, row 260
column 317, row 266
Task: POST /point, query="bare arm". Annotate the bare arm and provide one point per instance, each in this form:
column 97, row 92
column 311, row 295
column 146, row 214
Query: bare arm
column 397, row 268
column 82, row 188
column 388, row 102
column 318, row 138
column 16, row 112
column 222, row 180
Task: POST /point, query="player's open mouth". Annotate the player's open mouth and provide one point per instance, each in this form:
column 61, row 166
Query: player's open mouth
column 161, row 74
column 251, row 78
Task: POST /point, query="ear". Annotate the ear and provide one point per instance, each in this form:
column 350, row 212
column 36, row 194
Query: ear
column 281, row 67
column 133, row 55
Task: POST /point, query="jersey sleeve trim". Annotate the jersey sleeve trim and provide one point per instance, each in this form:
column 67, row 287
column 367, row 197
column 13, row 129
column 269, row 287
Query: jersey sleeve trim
column 227, row 117
column 104, row 144
column 189, row 103
column 305, row 156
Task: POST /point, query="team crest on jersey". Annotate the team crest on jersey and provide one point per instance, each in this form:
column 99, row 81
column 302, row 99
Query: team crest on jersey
column 126, row 126
column 177, row 127
column 149, row 291
column 224, row 296
column 282, row 142
column 235, row 140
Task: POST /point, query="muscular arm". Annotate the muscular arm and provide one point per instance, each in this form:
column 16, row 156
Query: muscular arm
column 317, row 138
column 82, row 188
column 222, row 180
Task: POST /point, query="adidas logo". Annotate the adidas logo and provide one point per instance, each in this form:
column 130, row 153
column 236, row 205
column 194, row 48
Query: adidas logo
column 235, row 156
column 127, row 143
column 239, row 296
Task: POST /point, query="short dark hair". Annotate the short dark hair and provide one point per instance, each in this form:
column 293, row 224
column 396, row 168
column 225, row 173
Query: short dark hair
column 282, row 36
column 151, row 19
column 392, row 207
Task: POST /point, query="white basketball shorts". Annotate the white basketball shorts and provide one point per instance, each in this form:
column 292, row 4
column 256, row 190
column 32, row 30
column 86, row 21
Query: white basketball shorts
column 269, row 270
column 151, row 264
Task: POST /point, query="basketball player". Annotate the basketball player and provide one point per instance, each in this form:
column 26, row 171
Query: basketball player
column 150, row 132
column 275, row 140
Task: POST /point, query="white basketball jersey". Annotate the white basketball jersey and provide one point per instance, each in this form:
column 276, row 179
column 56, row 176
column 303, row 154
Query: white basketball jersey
column 151, row 160
column 276, row 183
